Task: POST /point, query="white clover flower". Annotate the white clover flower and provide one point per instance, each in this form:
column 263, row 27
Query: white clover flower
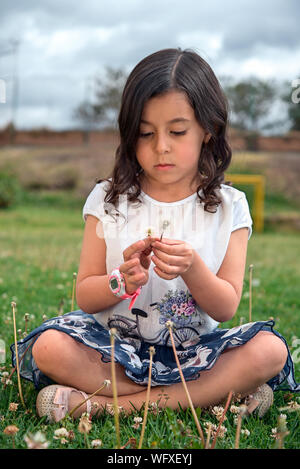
column 61, row 433
column 274, row 432
column 96, row 443
column 218, row 412
column 234, row 409
column 137, row 419
column 36, row 441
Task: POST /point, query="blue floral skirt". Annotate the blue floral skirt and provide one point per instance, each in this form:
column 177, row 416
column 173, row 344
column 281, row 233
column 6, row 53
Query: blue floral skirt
column 134, row 355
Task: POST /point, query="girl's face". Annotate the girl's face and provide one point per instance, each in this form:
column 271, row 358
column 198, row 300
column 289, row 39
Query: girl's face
column 169, row 145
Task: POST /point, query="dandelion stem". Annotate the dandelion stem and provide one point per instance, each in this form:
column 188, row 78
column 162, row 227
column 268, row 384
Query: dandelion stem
column 238, row 432
column 242, row 411
column 152, row 352
column 85, row 400
column 13, row 304
column 73, row 290
column 222, row 419
column 208, row 435
column 14, row 369
column 250, row 292
column 169, row 326
column 114, row 385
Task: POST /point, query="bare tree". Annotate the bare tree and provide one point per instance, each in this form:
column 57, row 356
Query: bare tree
column 103, row 109
column 250, row 101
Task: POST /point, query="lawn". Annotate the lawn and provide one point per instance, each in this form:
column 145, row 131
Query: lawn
column 40, row 243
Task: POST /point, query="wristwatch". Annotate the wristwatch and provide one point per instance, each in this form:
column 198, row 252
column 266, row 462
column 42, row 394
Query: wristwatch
column 118, row 287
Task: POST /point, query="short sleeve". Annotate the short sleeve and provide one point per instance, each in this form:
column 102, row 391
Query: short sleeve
column 94, row 204
column 241, row 215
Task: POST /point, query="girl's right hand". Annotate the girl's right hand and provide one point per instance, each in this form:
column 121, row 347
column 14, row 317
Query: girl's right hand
column 137, row 260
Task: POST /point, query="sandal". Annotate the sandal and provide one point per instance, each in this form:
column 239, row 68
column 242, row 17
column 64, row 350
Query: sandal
column 260, row 401
column 53, row 401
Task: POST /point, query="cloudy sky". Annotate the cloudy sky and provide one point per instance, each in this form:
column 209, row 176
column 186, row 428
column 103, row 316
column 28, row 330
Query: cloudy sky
column 51, row 50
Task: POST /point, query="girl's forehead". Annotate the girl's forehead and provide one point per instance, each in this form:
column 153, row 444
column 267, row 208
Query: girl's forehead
column 173, row 103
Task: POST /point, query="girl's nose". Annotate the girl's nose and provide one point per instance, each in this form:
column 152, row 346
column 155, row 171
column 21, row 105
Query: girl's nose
column 162, row 144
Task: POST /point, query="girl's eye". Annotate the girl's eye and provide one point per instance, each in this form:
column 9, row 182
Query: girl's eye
column 148, row 134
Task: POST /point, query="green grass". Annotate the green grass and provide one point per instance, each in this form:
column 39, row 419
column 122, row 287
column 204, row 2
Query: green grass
column 40, row 245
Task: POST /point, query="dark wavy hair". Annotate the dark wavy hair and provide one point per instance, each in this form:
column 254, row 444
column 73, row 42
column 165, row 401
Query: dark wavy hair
column 158, row 73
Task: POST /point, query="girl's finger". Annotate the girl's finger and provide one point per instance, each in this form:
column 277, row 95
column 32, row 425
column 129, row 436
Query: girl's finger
column 174, row 248
column 137, row 247
column 128, row 265
column 165, row 267
column 164, row 275
column 168, row 259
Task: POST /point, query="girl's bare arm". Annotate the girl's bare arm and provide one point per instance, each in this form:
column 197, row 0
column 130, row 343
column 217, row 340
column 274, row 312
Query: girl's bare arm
column 92, row 289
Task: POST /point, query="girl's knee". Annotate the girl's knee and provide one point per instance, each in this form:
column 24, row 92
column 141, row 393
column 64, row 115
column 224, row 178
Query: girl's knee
column 268, row 353
column 48, row 347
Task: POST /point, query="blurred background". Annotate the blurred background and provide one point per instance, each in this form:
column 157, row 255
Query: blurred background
column 63, row 65
column 62, row 68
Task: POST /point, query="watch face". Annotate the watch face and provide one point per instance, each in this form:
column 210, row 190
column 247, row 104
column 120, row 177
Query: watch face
column 114, row 284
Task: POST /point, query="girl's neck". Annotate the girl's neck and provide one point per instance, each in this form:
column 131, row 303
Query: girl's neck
column 167, row 193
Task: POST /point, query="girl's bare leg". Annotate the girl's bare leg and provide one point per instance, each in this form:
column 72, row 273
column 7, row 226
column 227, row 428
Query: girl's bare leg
column 241, row 370
column 74, row 364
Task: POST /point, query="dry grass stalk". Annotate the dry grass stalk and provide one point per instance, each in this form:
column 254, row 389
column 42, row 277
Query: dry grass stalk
column 208, row 435
column 222, row 419
column 242, row 413
column 114, row 385
column 26, row 318
column 169, row 325
column 13, row 304
column 105, row 383
column 73, row 290
column 14, row 369
column 11, row 430
column 250, row 292
column 282, row 431
column 151, row 352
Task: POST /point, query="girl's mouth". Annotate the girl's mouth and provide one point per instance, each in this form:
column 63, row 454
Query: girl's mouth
column 164, row 166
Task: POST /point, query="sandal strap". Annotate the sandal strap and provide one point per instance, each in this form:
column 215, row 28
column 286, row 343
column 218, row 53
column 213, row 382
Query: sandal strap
column 88, row 402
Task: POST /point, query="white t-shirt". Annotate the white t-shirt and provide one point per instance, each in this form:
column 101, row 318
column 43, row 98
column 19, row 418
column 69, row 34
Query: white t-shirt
column 160, row 299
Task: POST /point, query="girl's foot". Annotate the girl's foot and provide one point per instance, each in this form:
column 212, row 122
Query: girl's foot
column 260, row 401
column 56, row 401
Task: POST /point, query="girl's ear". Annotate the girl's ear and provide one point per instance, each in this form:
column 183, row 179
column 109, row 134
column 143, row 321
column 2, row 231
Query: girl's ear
column 207, row 137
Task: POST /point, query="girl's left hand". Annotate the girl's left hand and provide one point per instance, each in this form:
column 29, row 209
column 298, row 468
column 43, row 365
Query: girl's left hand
column 172, row 257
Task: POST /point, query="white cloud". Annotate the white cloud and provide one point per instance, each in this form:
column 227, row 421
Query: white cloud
column 64, row 43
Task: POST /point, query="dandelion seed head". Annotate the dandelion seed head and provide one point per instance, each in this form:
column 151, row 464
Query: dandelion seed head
column 13, row 406
column 113, row 331
column 169, row 324
column 10, row 430
column 85, row 425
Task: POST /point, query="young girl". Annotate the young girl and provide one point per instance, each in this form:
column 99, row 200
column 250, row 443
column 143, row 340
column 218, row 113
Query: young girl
column 165, row 239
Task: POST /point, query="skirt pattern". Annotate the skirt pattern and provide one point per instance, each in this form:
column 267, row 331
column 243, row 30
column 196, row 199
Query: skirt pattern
column 133, row 354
